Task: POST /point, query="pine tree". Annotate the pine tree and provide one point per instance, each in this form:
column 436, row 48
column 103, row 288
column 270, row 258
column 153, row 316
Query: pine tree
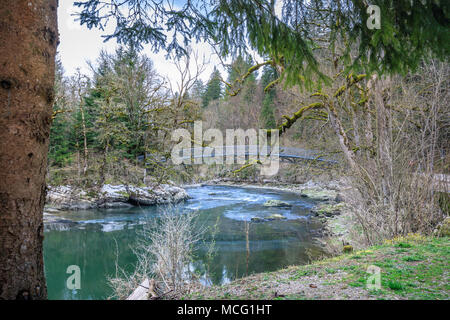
column 198, row 90
column 267, row 111
column 213, row 89
column 28, row 41
column 60, row 144
column 237, row 70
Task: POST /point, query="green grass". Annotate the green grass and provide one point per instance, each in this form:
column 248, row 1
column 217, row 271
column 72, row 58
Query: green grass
column 395, row 285
column 410, row 268
column 413, row 258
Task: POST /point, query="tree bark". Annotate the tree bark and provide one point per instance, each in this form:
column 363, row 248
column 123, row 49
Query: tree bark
column 28, row 41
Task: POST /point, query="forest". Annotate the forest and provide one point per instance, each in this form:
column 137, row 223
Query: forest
column 356, row 92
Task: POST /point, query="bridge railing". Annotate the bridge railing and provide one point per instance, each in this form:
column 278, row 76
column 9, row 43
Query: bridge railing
column 252, row 151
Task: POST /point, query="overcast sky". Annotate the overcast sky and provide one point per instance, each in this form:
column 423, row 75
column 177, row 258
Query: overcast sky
column 78, row 45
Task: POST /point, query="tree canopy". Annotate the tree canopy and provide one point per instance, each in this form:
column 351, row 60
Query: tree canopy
column 409, row 31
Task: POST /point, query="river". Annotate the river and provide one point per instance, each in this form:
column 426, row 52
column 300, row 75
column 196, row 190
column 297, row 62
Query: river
column 95, row 238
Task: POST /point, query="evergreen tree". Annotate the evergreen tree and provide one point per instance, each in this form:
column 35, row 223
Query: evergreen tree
column 198, row 90
column 238, row 68
column 267, row 111
column 60, row 144
column 213, row 89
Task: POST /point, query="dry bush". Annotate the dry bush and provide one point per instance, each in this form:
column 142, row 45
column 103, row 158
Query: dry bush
column 394, row 180
column 164, row 252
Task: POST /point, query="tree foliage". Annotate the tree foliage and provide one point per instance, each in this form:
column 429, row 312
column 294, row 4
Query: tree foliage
column 410, row 30
column 213, row 90
column 123, row 112
column 267, row 111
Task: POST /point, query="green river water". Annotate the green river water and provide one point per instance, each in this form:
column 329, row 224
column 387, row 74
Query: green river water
column 92, row 239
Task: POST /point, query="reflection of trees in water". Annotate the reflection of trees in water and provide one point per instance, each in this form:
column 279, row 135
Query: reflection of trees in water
column 281, row 249
column 93, row 251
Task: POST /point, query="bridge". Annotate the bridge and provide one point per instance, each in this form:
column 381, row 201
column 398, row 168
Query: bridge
column 286, row 154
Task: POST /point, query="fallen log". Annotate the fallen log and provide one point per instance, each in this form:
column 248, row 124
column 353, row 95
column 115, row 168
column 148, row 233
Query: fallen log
column 151, row 291
column 145, row 291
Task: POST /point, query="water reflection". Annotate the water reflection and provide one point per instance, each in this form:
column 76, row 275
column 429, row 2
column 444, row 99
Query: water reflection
column 89, row 241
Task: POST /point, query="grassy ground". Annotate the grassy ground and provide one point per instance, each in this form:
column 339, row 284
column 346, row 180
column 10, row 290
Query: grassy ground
column 412, row 267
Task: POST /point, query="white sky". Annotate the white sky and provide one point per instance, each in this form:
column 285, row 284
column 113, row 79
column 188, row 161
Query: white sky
column 78, row 45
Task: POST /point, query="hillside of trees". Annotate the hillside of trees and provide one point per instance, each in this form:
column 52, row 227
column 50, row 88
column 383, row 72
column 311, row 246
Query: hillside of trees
column 104, row 124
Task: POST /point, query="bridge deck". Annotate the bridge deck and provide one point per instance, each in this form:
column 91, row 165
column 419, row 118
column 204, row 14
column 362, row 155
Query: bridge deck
column 252, row 151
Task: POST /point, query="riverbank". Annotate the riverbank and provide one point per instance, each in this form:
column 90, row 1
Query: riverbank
column 331, row 209
column 412, row 267
column 109, row 196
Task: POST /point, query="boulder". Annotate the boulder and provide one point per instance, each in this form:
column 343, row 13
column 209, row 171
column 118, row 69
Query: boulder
column 319, row 194
column 113, row 196
column 159, row 194
column 277, row 203
column 69, row 198
column 328, row 210
column 257, row 219
column 113, row 193
column 276, row 216
column 58, row 195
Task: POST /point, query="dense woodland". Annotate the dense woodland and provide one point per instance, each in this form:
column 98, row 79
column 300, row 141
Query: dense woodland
column 105, row 123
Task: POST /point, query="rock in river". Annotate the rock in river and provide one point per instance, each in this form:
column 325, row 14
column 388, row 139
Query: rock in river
column 276, row 216
column 328, row 210
column 277, row 203
column 257, row 219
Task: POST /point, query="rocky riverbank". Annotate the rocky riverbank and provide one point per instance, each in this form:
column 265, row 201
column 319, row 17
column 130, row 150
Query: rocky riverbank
column 320, row 191
column 331, row 208
column 70, row 198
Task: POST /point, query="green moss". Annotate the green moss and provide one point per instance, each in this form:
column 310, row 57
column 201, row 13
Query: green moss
column 403, row 245
column 444, row 228
column 413, row 258
column 123, row 193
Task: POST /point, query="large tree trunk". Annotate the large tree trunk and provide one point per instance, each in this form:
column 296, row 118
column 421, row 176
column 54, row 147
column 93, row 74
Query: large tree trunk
column 28, row 40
